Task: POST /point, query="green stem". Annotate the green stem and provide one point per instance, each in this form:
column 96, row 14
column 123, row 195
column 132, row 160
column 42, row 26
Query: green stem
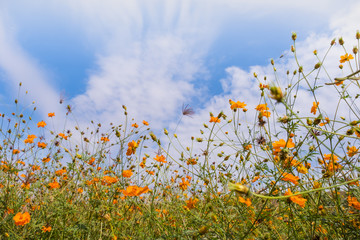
column 305, row 192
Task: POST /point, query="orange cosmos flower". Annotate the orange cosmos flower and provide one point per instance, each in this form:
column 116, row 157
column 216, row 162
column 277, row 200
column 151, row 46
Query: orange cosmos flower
column 288, row 177
column 131, row 148
column 41, row 124
column 327, row 121
column 262, row 108
column 16, row 151
column 63, row 136
column 191, row 161
column 314, row 108
column 54, row 184
column 331, row 157
column 277, row 145
column 135, row 125
column 346, row 58
column 46, row 229
column 296, row 199
column 104, row 139
column 247, row 201
column 127, row 173
column 91, row 161
column 109, row 180
column 21, row 219
column 184, row 184
column 51, row 114
column 160, row 158
column 145, row 123
column 302, row 169
column 42, row 145
column 60, row 172
column 190, row 204
column 214, row 119
column 235, row 105
column 353, row 202
column 282, row 143
column 352, row 151
column 132, row 191
column 247, row 147
column 30, row 138
column 262, row 86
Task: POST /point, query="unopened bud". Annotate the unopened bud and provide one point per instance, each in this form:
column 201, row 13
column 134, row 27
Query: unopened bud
column 276, row 93
column 341, row 41
column 332, row 42
column 237, row 187
column 317, row 65
column 293, row 36
column 355, row 50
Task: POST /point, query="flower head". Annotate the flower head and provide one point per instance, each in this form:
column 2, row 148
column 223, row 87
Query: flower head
column 21, row 219
column 42, row 145
column 235, row 105
column 352, row 151
column 160, row 158
column 127, row 173
column 46, row 229
column 41, row 124
column 214, row 119
column 314, row 108
column 296, row 199
column 132, row 148
column 132, row 191
column 51, row 114
column 108, row 180
column 346, row 58
column 354, row 202
column 288, row 177
column 30, row 138
column 54, row 184
column 184, row 184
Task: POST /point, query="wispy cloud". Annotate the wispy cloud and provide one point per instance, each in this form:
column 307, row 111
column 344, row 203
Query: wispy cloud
column 18, row 67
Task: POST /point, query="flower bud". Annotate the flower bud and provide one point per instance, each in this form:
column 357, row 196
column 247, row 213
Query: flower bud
column 332, row 42
column 357, row 35
column 293, row 36
column 341, row 41
column 276, row 93
column 317, row 65
column 355, row 50
column 237, row 187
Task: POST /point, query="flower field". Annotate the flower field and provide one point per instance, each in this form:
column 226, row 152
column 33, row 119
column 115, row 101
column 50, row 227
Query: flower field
column 291, row 173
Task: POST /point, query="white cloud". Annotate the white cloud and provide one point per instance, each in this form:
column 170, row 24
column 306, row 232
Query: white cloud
column 18, row 67
column 150, row 53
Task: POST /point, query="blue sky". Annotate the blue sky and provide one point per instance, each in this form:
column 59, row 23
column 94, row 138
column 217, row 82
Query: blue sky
column 153, row 56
